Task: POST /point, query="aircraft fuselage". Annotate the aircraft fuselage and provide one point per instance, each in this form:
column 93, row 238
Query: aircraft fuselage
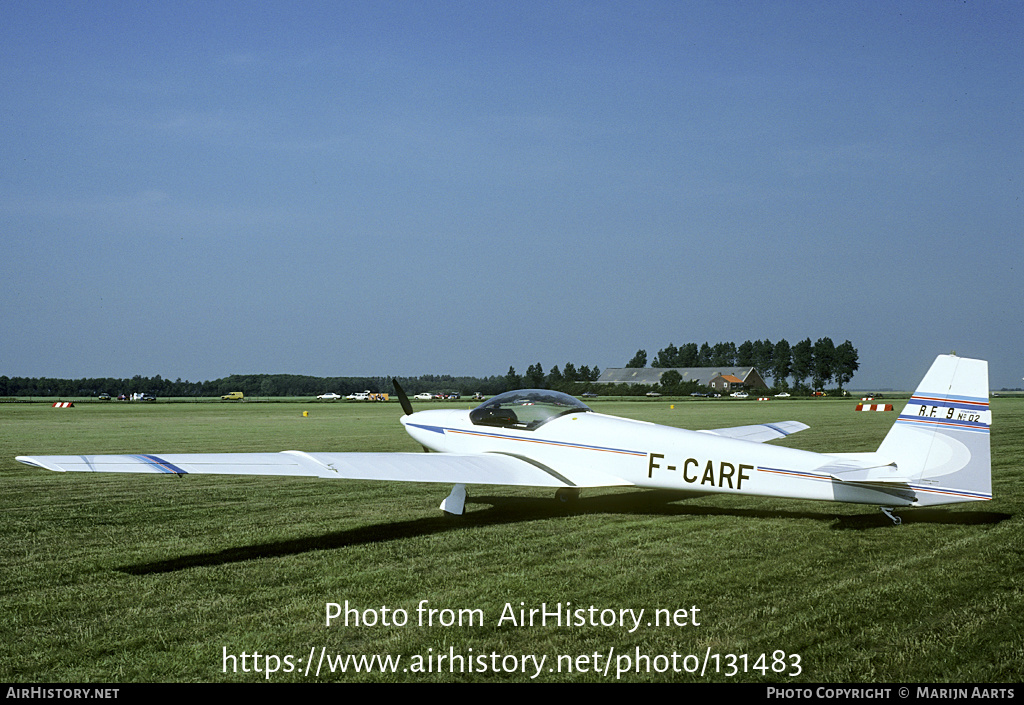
column 646, row 455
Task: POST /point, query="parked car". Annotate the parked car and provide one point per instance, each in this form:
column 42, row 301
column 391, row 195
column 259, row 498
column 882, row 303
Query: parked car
column 425, row 396
column 328, row 396
column 739, row 395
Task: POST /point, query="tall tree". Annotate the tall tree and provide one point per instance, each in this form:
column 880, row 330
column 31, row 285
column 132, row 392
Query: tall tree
column 824, row 362
column 639, row 360
column 534, row 378
column 666, row 357
column 782, row 363
column 846, row 363
column 512, row 379
column 704, row 356
column 688, row 355
column 745, row 354
column 723, row 355
column 762, row 354
column 803, row 361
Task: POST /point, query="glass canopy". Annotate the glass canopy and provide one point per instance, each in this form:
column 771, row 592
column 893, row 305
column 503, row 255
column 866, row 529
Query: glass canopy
column 525, row 409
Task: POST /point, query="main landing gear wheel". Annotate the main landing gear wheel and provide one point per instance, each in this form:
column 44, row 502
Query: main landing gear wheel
column 567, row 495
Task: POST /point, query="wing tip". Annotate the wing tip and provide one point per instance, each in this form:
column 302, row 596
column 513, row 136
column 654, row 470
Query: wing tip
column 36, row 463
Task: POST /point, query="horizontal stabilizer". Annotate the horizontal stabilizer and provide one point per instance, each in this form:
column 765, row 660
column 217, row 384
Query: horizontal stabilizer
column 759, row 433
column 870, row 470
column 863, row 467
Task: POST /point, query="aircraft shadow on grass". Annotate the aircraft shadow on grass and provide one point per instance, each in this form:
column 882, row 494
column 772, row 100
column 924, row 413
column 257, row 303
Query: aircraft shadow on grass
column 513, row 510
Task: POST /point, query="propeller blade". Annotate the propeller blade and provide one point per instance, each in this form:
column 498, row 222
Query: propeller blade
column 406, row 406
column 402, row 399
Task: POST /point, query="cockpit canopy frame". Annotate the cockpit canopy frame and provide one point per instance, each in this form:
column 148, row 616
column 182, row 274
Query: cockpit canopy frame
column 526, row 409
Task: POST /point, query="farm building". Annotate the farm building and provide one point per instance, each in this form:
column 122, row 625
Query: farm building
column 720, row 379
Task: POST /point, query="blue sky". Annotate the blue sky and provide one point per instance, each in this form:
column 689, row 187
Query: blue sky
column 373, row 188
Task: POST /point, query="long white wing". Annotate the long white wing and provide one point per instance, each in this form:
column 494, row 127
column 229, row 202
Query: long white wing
column 759, row 433
column 477, row 469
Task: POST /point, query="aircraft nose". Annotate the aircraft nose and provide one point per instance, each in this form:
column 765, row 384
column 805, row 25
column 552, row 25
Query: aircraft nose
column 428, row 428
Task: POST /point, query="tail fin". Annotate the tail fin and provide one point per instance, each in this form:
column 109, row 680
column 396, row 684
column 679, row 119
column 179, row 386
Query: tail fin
column 940, row 441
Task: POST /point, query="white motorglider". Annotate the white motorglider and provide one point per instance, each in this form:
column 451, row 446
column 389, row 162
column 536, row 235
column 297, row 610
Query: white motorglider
column 937, row 452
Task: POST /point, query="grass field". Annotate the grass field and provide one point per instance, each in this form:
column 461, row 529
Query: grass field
column 155, row 578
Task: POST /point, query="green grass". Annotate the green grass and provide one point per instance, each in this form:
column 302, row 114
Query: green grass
column 148, row 578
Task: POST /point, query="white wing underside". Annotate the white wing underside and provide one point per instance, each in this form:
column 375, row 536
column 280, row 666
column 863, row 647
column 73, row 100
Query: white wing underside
column 477, row 469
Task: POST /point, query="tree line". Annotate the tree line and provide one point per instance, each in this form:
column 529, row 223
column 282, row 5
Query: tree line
column 822, row 362
column 570, row 379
